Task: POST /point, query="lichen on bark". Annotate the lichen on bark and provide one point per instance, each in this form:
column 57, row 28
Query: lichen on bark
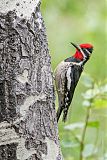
column 27, row 108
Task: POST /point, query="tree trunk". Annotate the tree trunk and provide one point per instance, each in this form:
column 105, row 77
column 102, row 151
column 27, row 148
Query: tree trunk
column 28, row 127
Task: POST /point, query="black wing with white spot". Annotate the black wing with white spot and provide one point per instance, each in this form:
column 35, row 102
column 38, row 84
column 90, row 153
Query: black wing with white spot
column 72, row 77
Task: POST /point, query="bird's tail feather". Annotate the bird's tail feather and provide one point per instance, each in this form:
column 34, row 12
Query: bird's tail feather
column 65, row 112
column 59, row 111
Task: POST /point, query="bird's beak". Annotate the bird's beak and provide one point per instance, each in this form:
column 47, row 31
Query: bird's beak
column 76, row 46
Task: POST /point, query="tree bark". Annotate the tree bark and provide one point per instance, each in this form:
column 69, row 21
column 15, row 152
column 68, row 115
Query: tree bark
column 28, row 127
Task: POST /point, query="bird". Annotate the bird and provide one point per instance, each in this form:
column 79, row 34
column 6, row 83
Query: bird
column 67, row 75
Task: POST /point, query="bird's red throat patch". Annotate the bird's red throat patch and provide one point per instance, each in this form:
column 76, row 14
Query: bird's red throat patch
column 78, row 55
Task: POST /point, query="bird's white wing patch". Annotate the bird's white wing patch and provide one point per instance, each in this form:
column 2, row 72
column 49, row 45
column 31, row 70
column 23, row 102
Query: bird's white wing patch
column 69, row 78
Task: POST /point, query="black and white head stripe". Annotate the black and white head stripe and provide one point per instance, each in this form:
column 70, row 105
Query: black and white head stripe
column 90, row 50
column 86, row 52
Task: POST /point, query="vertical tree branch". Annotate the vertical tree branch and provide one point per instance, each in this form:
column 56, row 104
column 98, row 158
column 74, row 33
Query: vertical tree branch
column 85, row 126
column 84, row 132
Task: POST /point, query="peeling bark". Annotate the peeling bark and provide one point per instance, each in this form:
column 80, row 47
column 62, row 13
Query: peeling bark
column 28, row 127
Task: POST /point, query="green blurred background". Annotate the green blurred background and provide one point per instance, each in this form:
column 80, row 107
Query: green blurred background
column 79, row 22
